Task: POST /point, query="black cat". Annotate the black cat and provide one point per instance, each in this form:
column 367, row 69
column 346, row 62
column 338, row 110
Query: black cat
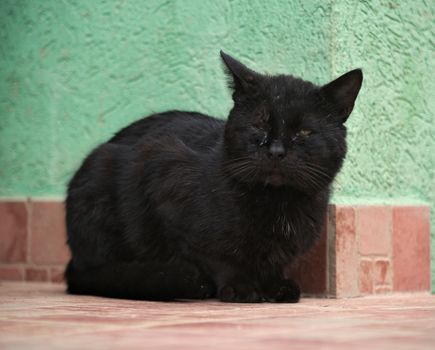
column 180, row 205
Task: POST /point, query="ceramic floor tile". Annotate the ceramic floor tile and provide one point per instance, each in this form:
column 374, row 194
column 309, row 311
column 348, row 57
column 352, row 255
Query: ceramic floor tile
column 42, row 316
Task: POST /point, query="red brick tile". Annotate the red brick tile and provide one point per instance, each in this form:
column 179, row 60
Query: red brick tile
column 373, row 225
column 382, row 272
column 411, row 248
column 310, row 271
column 383, row 289
column 11, row 273
column 366, row 277
column 13, row 231
column 48, row 234
column 56, row 274
column 346, row 253
column 36, row 274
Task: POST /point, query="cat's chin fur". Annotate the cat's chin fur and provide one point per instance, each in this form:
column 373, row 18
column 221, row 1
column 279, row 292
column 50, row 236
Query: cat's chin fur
column 275, row 180
column 180, row 205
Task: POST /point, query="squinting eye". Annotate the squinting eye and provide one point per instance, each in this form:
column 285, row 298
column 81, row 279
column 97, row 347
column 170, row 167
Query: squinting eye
column 304, row 132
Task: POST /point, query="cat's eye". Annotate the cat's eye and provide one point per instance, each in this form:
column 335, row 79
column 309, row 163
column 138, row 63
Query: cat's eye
column 304, row 132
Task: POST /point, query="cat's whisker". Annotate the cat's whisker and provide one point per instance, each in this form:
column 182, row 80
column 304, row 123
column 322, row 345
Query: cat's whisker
column 318, row 176
column 244, row 168
column 238, row 170
column 308, row 179
column 314, row 166
column 315, row 174
column 313, row 178
column 318, row 171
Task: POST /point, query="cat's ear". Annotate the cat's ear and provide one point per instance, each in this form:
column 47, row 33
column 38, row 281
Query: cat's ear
column 242, row 78
column 343, row 91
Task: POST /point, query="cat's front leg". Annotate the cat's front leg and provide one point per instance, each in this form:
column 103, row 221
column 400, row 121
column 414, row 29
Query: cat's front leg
column 281, row 291
column 239, row 293
column 239, row 289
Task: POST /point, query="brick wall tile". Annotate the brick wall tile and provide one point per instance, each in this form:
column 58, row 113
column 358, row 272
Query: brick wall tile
column 11, row 273
column 48, row 233
column 360, row 263
column 382, row 273
column 346, row 254
column 366, row 277
column 39, row 274
column 411, row 248
column 56, row 274
column 13, row 231
column 373, row 226
column 383, row 289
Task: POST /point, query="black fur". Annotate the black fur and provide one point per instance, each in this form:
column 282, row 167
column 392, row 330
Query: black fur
column 182, row 205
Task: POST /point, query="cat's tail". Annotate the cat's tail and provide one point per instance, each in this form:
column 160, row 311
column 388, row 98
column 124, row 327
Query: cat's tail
column 140, row 281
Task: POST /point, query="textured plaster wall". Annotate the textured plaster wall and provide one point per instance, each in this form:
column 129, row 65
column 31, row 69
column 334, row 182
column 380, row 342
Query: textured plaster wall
column 74, row 72
column 392, row 131
column 392, row 134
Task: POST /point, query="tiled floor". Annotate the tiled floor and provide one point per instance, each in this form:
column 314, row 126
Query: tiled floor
column 42, row 316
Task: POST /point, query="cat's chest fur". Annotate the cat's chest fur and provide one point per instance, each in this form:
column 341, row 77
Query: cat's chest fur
column 272, row 229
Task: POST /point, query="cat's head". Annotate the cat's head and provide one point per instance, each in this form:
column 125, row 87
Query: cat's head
column 284, row 131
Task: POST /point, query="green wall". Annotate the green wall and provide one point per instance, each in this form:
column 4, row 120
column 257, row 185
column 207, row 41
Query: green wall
column 392, row 131
column 74, row 72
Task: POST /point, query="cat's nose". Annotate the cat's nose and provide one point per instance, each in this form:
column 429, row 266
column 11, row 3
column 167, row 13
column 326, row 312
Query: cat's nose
column 276, row 150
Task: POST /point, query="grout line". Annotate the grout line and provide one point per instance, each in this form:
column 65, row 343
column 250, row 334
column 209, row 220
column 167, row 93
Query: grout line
column 391, row 232
column 331, row 281
column 48, row 270
column 375, row 256
column 36, row 266
column 29, row 231
column 358, row 250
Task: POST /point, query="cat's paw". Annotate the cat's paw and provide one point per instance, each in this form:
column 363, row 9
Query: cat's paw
column 204, row 291
column 284, row 291
column 239, row 293
column 196, row 285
